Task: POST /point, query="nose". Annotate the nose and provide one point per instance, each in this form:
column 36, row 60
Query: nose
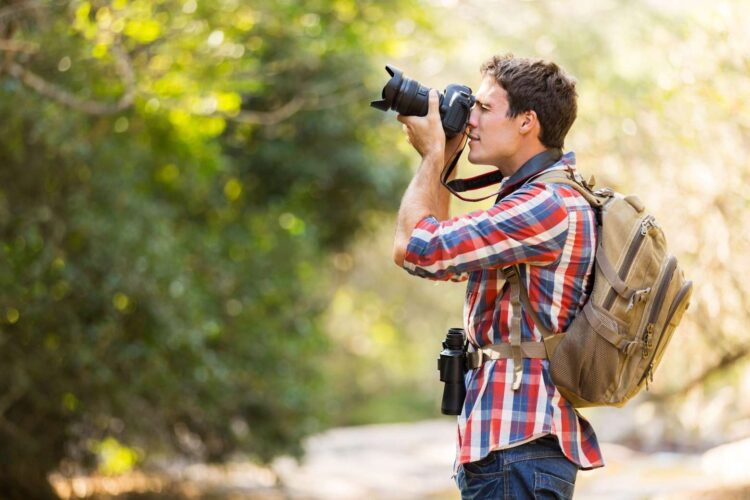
column 473, row 118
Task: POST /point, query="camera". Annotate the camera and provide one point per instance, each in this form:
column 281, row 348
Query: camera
column 452, row 367
column 409, row 97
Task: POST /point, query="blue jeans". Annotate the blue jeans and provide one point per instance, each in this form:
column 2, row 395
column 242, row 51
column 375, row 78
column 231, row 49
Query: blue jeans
column 537, row 469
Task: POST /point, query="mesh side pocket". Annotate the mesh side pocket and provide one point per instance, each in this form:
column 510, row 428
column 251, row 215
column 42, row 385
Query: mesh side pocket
column 584, row 364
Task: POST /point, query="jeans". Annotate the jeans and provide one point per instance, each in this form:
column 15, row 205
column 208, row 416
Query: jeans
column 537, row 469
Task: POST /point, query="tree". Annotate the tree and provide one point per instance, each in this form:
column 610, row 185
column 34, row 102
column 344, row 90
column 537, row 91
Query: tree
column 174, row 178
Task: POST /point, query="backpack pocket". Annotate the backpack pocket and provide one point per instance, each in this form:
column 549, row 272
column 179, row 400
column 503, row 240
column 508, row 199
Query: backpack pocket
column 586, row 362
column 677, row 308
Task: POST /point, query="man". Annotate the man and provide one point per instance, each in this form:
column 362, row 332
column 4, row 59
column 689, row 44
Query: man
column 517, row 436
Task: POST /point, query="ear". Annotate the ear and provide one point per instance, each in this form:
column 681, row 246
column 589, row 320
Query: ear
column 528, row 122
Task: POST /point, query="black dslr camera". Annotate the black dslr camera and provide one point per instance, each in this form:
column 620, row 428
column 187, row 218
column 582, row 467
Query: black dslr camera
column 409, row 97
column 452, row 367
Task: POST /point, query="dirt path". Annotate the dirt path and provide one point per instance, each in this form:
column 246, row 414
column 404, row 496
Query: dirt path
column 414, row 461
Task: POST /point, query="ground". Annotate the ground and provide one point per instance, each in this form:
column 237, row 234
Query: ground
column 414, row 461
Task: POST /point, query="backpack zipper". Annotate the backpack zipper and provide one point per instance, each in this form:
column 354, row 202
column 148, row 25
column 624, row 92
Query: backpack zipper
column 672, row 308
column 676, row 302
column 646, row 223
column 653, row 314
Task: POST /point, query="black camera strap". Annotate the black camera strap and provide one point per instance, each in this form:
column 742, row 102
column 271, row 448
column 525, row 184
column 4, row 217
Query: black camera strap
column 535, row 165
column 457, row 186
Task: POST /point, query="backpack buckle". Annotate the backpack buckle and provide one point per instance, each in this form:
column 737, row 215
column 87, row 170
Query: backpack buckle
column 605, row 192
column 637, row 297
column 648, row 224
column 630, row 348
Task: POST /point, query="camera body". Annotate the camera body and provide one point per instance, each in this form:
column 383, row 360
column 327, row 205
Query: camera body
column 452, row 367
column 409, row 97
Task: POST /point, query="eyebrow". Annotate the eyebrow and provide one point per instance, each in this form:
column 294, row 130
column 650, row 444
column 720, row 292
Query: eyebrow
column 483, row 103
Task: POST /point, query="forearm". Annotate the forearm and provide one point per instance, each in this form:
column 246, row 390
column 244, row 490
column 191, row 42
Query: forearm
column 425, row 196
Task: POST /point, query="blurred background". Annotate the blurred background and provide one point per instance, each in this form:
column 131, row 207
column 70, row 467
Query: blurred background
column 197, row 297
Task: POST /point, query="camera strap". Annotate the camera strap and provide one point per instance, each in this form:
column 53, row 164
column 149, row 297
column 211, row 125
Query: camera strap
column 532, row 167
column 457, row 186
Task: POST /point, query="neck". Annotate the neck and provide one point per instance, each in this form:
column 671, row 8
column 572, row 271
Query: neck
column 510, row 165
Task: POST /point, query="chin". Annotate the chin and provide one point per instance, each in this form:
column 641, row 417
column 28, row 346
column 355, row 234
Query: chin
column 475, row 158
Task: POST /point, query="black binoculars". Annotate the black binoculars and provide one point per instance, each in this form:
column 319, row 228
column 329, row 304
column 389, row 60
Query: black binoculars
column 452, row 367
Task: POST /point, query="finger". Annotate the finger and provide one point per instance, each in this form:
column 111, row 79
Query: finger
column 434, row 103
column 408, row 119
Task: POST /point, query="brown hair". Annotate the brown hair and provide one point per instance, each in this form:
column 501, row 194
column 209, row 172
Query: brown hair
column 540, row 86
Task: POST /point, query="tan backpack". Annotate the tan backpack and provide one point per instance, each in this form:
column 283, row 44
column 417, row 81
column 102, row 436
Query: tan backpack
column 613, row 345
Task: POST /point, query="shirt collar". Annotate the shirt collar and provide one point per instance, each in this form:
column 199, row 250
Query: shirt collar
column 538, row 163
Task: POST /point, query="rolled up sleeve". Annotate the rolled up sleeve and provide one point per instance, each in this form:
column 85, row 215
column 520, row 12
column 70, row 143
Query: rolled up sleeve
column 529, row 226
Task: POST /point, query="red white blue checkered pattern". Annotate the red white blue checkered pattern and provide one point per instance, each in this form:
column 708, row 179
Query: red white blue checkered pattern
column 551, row 230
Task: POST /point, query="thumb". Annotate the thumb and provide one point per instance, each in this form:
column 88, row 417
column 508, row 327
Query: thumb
column 434, row 103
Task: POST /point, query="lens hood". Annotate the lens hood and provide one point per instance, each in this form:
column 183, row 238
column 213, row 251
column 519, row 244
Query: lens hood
column 390, row 90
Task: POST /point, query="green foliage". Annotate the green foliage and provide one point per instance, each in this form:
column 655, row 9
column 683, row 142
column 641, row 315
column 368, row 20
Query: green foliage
column 165, row 223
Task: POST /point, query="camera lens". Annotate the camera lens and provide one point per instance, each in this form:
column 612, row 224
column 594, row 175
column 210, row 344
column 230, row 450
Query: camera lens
column 406, row 96
column 412, row 98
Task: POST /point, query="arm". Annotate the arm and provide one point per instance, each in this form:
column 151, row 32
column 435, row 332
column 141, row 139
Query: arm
column 530, row 226
column 425, row 195
column 422, row 198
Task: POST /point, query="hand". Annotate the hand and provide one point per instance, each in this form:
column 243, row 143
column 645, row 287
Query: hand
column 425, row 133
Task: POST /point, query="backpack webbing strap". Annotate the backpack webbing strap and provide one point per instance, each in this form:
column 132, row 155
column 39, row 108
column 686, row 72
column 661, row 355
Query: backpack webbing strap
column 527, row 304
column 549, row 337
column 512, row 277
column 476, row 358
column 606, row 328
column 609, row 272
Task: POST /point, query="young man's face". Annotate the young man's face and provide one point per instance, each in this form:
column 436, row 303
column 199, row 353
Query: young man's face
column 493, row 137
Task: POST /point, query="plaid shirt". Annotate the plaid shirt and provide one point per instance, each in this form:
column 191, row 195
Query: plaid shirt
column 551, row 230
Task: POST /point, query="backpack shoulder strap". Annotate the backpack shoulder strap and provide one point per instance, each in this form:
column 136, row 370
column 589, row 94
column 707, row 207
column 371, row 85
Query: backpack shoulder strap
column 524, row 298
column 573, row 179
column 519, row 295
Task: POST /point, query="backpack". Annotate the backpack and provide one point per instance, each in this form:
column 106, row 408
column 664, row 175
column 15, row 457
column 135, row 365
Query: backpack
column 615, row 342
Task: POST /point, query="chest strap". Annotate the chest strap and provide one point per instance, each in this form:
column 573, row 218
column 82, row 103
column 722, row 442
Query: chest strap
column 515, row 349
column 503, row 351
